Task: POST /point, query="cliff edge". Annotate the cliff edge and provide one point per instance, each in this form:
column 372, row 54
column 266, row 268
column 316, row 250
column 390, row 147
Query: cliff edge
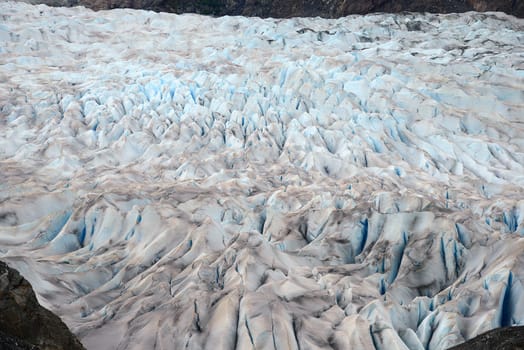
column 24, row 323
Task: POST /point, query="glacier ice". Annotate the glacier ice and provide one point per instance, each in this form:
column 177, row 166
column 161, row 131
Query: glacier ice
column 181, row 181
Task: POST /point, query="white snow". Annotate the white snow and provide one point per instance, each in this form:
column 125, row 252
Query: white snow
column 181, row 181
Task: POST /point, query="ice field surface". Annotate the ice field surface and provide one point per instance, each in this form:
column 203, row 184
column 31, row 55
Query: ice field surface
column 181, row 181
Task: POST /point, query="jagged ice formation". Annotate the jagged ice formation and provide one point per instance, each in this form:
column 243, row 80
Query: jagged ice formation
column 181, row 181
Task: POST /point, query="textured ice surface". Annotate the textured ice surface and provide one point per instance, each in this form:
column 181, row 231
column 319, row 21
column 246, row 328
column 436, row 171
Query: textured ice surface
column 189, row 182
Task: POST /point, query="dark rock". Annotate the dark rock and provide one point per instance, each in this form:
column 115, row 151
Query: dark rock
column 24, row 324
column 8, row 342
column 299, row 8
column 508, row 338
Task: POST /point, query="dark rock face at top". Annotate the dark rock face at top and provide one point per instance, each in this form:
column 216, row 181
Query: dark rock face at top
column 336, row 8
column 24, row 324
column 299, row 8
column 509, row 338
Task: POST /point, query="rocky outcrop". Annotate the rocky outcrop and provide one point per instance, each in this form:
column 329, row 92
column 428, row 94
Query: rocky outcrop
column 8, row 342
column 323, row 8
column 295, row 8
column 509, row 338
column 24, row 324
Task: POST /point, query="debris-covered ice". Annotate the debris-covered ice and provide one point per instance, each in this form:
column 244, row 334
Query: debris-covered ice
column 180, row 181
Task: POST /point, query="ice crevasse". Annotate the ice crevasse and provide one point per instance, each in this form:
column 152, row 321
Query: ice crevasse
column 181, row 181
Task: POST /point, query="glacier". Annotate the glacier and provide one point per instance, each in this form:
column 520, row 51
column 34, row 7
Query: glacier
column 182, row 181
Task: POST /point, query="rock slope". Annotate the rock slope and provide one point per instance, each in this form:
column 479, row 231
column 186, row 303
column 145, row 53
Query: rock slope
column 511, row 338
column 8, row 342
column 194, row 182
column 296, row 8
column 24, row 324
